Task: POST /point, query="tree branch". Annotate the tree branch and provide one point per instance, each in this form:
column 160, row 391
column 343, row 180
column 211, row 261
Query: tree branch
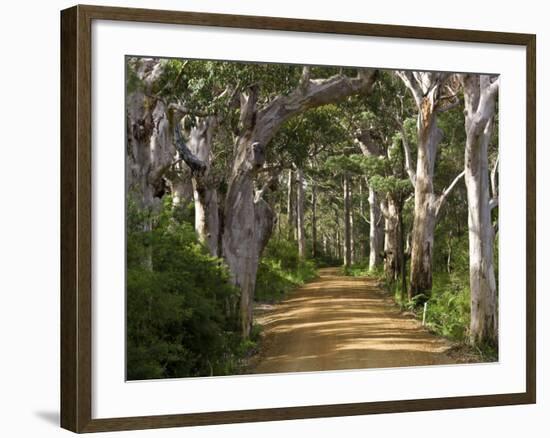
column 317, row 93
column 412, row 84
column 364, row 217
column 197, row 166
column 447, row 191
column 248, row 111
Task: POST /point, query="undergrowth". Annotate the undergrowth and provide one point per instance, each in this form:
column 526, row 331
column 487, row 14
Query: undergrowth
column 281, row 270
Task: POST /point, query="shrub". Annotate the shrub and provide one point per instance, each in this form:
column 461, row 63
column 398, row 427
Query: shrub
column 177, row 311
column 281, row 270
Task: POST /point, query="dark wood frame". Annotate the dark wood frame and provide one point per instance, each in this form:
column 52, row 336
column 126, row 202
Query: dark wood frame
column 76, row 174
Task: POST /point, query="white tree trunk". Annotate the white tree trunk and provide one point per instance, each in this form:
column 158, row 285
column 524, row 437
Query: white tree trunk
column 376, row 233
column 300, row 213
column 480, row 95
column 347, row 222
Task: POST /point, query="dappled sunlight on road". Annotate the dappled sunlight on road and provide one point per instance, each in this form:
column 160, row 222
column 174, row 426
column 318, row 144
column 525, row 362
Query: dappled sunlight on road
column 338, row 322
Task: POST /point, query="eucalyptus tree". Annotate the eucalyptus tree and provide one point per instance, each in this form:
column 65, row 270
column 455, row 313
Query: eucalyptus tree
column 385, row 176
column 376, row 225
column 480, row 95
column 376, row 123
column 254, row 100
column 433, row 93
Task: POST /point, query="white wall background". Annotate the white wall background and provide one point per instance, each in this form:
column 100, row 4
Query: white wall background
column 29, row 218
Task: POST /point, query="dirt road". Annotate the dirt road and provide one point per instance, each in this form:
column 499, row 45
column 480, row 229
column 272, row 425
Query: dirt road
column 337, row 322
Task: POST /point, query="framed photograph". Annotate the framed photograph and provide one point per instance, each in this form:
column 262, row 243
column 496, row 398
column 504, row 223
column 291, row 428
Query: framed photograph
column 270, row 218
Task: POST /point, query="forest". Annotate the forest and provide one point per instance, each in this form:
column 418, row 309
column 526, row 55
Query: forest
column 255, row 188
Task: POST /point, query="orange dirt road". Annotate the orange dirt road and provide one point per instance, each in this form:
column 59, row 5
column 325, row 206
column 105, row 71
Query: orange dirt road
column 338, row 322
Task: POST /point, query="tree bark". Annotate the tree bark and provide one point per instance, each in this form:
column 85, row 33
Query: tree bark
column 300, row 213
column 247, row 228
column 480, row 96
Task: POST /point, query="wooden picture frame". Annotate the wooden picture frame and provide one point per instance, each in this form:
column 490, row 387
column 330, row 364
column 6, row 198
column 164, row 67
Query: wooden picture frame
column 76, row 218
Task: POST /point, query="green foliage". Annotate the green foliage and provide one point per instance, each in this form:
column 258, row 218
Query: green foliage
column 306, row 134
column 448, row 310
column 281, row 270
column 361, row 269
column 133, row 83
column 177, row 320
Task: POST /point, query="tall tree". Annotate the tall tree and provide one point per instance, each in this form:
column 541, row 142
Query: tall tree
column 372, row 150
column 432, row 94
column 480, row 94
